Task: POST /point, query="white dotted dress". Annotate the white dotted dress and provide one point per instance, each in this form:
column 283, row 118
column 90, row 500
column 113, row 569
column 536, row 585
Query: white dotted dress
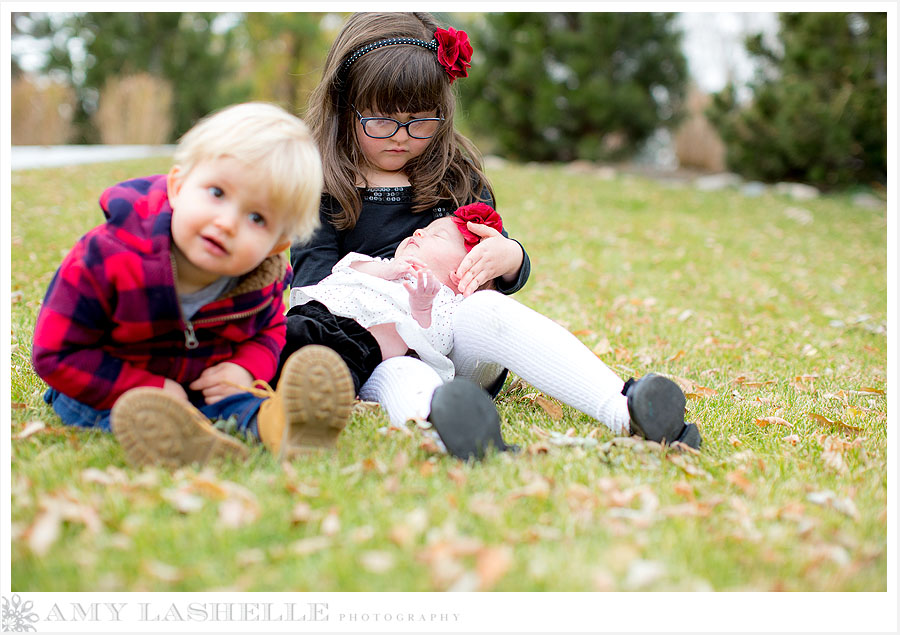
column 371, row 300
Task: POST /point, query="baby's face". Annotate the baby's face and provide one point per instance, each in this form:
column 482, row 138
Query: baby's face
column 440, row 246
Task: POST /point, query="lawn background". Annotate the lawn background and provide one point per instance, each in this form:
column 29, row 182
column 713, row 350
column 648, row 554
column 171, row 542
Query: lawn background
column 770, row 312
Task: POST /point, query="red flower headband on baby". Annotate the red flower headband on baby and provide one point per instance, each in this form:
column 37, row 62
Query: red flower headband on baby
column 476, row 213
column 453, row 50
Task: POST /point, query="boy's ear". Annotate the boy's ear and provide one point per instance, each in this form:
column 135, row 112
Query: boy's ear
column 277, row 249
column 174, row 181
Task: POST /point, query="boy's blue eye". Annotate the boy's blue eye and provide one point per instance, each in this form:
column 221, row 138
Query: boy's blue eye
column 256, row 218
column 216, row 191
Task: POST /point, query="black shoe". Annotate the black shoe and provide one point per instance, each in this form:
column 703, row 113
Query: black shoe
column 656, row 406
column 466, row 419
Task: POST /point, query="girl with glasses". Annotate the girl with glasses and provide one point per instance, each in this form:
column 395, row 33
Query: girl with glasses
column 393, row 163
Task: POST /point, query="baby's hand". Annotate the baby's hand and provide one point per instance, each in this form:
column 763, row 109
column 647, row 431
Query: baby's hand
column 421, row 296
column 493, row 257
column 391, row 269
column 222, row 380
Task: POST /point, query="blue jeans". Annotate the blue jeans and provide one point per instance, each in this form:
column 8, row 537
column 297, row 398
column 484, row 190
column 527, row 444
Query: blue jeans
column 243, row 406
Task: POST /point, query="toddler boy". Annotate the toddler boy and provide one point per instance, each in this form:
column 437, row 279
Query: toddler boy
column 158, row 320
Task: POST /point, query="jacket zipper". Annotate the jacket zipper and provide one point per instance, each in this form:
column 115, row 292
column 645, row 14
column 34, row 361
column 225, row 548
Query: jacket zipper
column 190, row 337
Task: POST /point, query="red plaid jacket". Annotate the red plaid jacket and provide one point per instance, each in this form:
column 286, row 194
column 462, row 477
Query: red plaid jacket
column 111, row 319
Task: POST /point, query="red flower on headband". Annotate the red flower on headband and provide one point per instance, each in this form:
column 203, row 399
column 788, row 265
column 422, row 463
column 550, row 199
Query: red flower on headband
column 454, row 52
column 476, row 213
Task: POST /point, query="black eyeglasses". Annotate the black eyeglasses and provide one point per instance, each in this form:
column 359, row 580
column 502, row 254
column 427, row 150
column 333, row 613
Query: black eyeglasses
column 385, row 127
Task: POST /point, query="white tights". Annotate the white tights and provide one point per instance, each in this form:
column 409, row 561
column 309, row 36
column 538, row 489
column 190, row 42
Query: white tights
column 491, row 329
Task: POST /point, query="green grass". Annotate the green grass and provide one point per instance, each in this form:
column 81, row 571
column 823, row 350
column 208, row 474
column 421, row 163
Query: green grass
column 733, row 295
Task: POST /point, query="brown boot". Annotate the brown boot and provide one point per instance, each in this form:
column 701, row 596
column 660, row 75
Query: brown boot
column 311, row 405
column 155, row 428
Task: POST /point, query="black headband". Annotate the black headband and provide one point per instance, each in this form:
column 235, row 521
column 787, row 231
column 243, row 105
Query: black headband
column 368, row 48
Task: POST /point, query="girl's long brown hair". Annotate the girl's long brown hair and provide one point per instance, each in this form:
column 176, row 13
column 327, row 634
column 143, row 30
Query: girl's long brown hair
column 388, row 80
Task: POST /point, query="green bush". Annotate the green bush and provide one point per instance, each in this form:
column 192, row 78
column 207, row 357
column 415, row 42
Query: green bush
column 563, row 86
column 819, row 107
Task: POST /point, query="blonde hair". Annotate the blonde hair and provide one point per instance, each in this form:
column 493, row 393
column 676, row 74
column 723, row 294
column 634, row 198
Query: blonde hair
column 275, row 145
column 391, row 79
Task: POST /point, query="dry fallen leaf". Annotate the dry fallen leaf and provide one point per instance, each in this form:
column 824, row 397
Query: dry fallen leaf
column 32, row 427
column 553, row 409
column 491, row 564
column 701, row 391
column 331, row 524
column 377, row 561
column 772, row 421
column 307, row 546
column 738, row 479
column 833, row 422
column 793, row 439
column 538, row 487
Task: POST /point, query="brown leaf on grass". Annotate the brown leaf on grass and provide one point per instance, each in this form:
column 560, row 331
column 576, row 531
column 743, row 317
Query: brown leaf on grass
column 183, row 500
column 457, row 475
column 734, row 441
column 804, row 383
column 307, row 546
column 772, row 421
column 238, row 512
column 331, row 524
column 827, row 498
column 866, row 390
column 538, row 487
column 744, row 381
column 400, row 461
column 550, row 406
column 684, row 383
column 407, row 530
column 33, row 427
column 538, row 448
column 689, row 468
column 161, row 571
column 43, row 532
column 834, row 422
column 17, row 405
column 110, row 476
column 363, row 407
column 699, row 392
column 430, row 446
column 491, row 564
column 738, row 479
column 602, row 348
column 622, row 355
column 793, row 439
column 377, row 561
column 676, row 356
column 56, row 509
column 684, row 489
column 301, row 513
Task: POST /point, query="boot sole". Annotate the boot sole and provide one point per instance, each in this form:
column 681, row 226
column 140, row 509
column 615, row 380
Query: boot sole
column 466, row 419
column 656, row 405
column 155, row 428
column 318, row 396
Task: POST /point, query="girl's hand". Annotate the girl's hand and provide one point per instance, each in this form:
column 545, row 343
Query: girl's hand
column 495, row 256
column 222, row 380
column 421, row 296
